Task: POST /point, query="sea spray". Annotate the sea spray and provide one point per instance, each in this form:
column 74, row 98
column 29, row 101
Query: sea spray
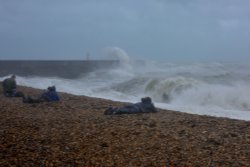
column 219, row 89
column 115, row 53
column 228, row 97
column 163, row 90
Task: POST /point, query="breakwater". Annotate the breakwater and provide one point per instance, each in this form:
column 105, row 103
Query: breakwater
column 46, row 68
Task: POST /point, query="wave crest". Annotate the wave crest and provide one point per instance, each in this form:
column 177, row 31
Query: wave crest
column 164, row 90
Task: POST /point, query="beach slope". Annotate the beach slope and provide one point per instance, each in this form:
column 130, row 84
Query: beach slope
column 74, row 132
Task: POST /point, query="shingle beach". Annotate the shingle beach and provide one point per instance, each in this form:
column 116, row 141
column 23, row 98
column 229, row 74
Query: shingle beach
column 75, row 132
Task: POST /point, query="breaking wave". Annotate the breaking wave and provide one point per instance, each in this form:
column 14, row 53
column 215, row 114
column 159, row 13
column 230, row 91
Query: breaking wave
column 217, row 89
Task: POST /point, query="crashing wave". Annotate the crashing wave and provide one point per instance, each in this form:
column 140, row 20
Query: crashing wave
column 163, row 90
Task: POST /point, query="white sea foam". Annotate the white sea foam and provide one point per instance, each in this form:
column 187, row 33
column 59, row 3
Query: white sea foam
column 217, row 89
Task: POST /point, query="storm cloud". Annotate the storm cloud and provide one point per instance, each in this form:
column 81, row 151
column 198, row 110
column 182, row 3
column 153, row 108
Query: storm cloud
column 169, row 30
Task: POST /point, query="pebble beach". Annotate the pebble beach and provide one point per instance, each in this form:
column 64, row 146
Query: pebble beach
column 75, row 132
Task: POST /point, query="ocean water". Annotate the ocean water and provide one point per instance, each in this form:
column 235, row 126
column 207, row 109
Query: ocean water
column 216, row 89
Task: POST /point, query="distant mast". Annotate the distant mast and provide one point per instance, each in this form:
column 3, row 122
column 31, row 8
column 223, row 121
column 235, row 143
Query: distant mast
column 87, row 56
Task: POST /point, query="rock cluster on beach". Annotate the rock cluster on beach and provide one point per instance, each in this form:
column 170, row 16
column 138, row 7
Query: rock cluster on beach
column 74, row 132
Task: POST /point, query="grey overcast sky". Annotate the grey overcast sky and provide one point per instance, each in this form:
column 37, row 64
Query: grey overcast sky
column 168, row 30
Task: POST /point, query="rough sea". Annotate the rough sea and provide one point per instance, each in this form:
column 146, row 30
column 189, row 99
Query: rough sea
column 216, row 89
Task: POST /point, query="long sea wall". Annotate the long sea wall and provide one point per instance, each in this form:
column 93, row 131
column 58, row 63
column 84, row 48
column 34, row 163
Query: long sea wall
column 65, row 69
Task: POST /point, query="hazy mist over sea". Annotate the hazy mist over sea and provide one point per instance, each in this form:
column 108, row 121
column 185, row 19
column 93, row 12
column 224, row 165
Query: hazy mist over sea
column 161, row 30
column 219, row 89
column 188, row 55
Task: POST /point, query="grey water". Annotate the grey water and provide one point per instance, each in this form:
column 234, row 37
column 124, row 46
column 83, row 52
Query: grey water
column 217, row 89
